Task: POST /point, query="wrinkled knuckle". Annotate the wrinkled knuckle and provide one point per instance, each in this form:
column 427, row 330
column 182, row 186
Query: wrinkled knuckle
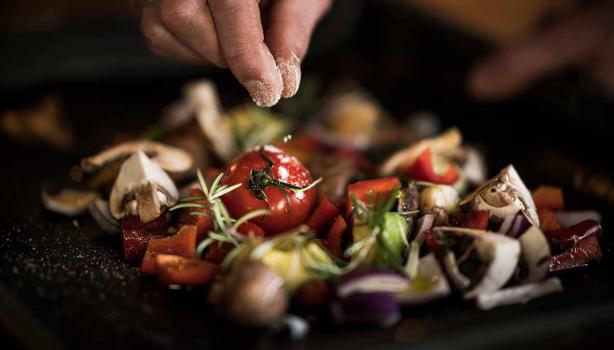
column 173, row 16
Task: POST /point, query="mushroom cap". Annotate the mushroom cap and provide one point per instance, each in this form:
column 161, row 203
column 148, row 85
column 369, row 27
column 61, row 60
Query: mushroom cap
column 503, row 195
column 137, row 172
column 69, row 202
column 500, row 253
column 169, row 158
column 253, row 295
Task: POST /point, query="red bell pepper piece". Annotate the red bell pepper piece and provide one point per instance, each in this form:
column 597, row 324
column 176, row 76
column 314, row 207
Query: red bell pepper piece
column 585, row 251
column 335, row 236
column 323, row 217
column 183, row 243
column 423, row 170
column 549, row 197
column 547, row 220
column 372, row 191
column 136, row 234
column 249, row 228
column 476, row 219
column 566, row 238
column 203, row 223
column 177, row 270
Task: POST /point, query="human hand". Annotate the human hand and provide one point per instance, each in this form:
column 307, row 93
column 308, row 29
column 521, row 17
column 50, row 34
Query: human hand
column 265, row 58
column 585, row 41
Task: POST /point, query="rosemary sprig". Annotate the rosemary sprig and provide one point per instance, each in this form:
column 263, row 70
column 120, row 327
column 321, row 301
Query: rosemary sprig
column 224, row 226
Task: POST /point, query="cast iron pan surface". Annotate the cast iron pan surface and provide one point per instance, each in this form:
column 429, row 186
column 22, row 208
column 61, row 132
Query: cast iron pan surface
column 64, row 285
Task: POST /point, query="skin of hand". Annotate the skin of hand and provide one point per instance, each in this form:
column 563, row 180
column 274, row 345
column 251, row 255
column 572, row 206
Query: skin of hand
column 585, row 41
column 261, row 42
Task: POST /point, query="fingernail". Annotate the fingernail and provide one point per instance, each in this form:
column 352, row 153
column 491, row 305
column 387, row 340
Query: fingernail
column 265, row 93
column 290, row 69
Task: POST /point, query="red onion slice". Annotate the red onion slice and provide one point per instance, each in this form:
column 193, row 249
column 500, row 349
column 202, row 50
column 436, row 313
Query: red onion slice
column 380, row 309
column 519, row 226
column 423, row 224
column 370, row 281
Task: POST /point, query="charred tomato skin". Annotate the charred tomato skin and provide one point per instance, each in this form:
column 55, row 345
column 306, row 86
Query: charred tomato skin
column 288, row 209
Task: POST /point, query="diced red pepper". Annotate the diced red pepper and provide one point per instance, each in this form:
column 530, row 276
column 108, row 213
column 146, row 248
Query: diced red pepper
column 335, row 236
column 567, row 237
column 203, row 223
column 177, row 270
column 136, row 234
column 372, row 191
column 183, row 243
column 585, row 251
column 476, row 219
column 323, row 217
column 549, row 197
column 423, row 170
column 547, row 220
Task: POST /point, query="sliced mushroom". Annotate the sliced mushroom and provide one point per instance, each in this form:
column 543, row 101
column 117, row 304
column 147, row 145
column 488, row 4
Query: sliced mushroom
column 535, row 256
column 479, row 261
column 68, row 202
column 169, row 158
column 142, row 188
column 203, row 98
column 99, row 210
column 447, row 141
column 503, row 195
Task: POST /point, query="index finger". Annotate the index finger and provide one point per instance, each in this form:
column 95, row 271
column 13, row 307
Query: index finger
column 241, row 39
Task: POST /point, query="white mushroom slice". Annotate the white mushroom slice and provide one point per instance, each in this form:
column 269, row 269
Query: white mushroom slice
column 497, row 257
column 535, row 256
column 142, row 188
column 430, row 284
column 503, row 195
column 68, row 202
column 204, row 99
column 447, row 141
column 519, row 294
column 169, row 158
column 99, row 210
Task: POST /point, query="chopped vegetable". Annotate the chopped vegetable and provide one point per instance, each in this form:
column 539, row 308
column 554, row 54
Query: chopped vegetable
column 518, row 295
column 372, row 191
column 380, row 309
column 549, row 197
column 323, row 217
column 334, row 238
column 548, row 220
column 136, row 235
column 183, row 243
column 370, row 281
column 565, row 238
column 177, row 270
column 426, row 169
column 585, row 251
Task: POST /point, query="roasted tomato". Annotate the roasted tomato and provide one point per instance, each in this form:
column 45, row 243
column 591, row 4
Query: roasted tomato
column 270, row 179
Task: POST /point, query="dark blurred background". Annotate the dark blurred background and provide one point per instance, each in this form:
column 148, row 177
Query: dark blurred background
column 413, row 55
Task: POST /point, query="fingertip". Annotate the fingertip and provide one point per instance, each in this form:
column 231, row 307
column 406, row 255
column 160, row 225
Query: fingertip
column 265, row 92
column 290, row 70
